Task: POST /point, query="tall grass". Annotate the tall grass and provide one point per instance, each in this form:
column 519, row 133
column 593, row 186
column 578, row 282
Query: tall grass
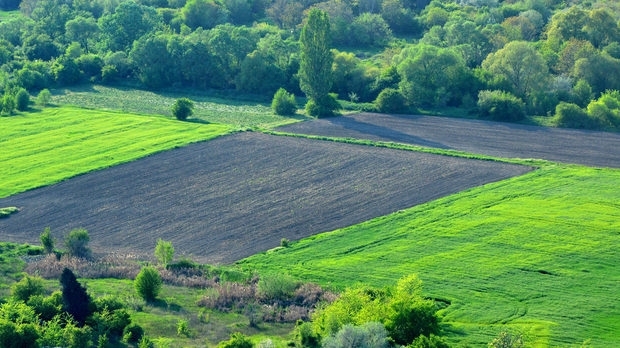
column 45, row 147
column 226, row 109
column 538, row 253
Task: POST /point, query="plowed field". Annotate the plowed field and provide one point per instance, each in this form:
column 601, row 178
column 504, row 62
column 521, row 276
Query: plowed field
column 222, row 200
column 506, row 140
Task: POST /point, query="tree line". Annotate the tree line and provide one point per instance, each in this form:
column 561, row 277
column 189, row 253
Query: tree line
column 503, row 59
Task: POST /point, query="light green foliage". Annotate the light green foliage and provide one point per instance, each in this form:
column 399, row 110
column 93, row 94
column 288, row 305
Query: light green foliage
column 47, row 241
column 606, row 110
column 56, row 144
column 276, row 287
column 284, row 103
column 148, row 283
column 369, row 335
column 391, row 101
column 536, row 243
column 520, row 66
column 500, row 106
column 572, row 116
column 237, row 340
column 44, row 97
column 26, row 288
column 76, row 243
column 7, row 104
column 183, row 328
column 315, row 75
column 507, row 340
column 7, row 211
column 164, row 252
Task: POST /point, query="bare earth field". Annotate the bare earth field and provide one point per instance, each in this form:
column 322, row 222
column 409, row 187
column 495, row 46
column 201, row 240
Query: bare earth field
column 223, row 200
column 600, row 149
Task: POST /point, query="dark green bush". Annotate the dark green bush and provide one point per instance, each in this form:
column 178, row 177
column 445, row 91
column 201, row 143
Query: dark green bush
column 182, row 108
column 237, row 340
column 391, row 101
column 133, row 333
column 326, row 107
column 500, row 106
column 283, row 103
column 22, row 99
column 148, row 283
column 572, row 116
column 76, row 243
column 47, row 241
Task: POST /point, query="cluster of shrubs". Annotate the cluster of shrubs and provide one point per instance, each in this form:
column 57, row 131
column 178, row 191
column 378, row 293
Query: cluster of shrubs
column 602, row 113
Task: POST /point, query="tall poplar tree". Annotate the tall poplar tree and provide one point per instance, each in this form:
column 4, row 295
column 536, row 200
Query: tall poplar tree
column 315, row 69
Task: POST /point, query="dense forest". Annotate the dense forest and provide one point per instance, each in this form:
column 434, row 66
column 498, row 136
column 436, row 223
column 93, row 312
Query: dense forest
column 502, row 59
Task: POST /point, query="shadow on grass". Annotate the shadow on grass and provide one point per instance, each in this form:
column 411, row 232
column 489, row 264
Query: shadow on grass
column 165, row 304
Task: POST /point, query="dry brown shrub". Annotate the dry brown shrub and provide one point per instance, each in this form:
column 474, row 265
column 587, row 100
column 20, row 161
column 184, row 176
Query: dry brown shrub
column 187, row 278
column 120, row 266
column 228, row 296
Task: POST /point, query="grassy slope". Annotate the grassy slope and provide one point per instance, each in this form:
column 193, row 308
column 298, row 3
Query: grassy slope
column 207, row 108
column 537, row 252
column 57, row 143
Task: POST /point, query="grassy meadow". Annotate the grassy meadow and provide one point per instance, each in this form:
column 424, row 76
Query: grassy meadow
column 226, row 110
column 537, row 254
column 41, row 148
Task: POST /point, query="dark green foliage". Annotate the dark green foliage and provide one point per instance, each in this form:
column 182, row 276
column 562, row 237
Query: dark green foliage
column 391, row 101
column 237, row 340
column 26, row 288
column 47, row 241
column 22, row 99
column 112, row 323
column 74, row 296
column 284, row 103
column 182, row 109
column 148, row 283
column 47, row 307
column 572, row 116
column 76, row 243
column 305, row 335
column 500, row 106
column 315, row 75
column 133, row 333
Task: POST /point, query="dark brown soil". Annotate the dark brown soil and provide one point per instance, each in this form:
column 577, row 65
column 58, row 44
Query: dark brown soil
column 229, row 198
column 600, row 149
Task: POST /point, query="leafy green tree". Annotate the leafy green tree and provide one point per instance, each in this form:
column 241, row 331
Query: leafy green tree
column 82, row 29
column 41, row 47
column 76, row 243
column 370, row 30
column 315, row 75
column 204, row 13
column 7, row 103
column 259, row 74
column 520, row 66
column 22, row 99
column 126, row 24
column 284, row 103
column 153, row 61
column 572, row 116
column 500, row 106
column 287, row 14
column 181, row 109
column 148, row 283
column 164, row 251
column 401, row 20
column 74, row 296
column 368, row 335
column 600, row 71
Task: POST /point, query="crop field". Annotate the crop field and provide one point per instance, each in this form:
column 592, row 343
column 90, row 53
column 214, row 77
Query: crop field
column 239, row 113
column 229, row 198
column 501, row 244
column 505, row 140
column 538, row 253
column 58, row 143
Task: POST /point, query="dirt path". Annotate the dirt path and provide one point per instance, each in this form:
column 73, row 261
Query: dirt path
column 600, row 149
column 229, row 198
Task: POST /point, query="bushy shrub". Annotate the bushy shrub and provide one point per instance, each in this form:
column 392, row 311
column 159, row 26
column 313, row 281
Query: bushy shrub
column 276, row 287
column 500, row 106
column 26, row 288
column 284, row 103
column 148, row 283
column 391, row 101
column 182, row 108
column 44, row 97
column 75, row 299
column 47, row 307
column 572, row 116
column 76, row 243
column 164, row 252
column 133, row 333
column 369, row 335
column 47, row 241
column 431, row 341
column 22, row 99
column 326, row 107
column 237, row 340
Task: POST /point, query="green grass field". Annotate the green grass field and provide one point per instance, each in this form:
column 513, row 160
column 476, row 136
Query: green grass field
column 239, row 113
column 41, row 148
column 537, row 253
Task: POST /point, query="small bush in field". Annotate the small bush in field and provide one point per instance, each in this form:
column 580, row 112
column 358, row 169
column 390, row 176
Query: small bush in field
column 237, row 340
column 44, row 97
column 133, row 333
column 572, row 116
column 148, row 283
column 283, row 103
column 391, row 101
column 164, row 252
column 22, row 99
column 276, row 287
column 77, row 243
column 500, row 106
column 47, row 241
column 182, row 108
